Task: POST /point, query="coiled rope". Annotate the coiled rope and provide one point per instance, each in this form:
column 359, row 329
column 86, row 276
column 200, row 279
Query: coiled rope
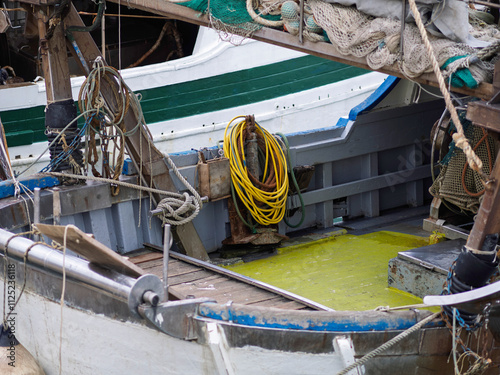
column 106, row 122
column 259, row 19
column 266, row 198
column 178, row 208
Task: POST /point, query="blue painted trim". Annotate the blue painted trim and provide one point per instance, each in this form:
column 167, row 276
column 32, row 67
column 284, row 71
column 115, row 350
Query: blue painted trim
column 375, row 98
column 334, row 324
column 342, row 122
column 369, row 103
column 7, row 188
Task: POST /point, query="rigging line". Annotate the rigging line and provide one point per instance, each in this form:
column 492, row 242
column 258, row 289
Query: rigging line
column 459, row 137
column 120, row 39
column 63, row 292
column 388, row 344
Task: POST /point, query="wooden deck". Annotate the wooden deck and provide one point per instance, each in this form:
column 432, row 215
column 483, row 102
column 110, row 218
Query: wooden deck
column 190, row 277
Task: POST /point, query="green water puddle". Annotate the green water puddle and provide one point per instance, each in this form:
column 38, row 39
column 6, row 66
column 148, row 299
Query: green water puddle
column 344, row 272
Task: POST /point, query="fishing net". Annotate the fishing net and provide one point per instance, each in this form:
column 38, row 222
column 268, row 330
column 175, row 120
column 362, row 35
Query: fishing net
column 231, row 16
column 378, row 39
column 355, row 33
column 457, row 183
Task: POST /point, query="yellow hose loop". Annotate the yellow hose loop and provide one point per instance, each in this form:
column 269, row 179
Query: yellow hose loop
column 266, row 207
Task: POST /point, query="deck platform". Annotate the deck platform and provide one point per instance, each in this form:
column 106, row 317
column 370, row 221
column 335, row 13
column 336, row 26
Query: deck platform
column 191, row 278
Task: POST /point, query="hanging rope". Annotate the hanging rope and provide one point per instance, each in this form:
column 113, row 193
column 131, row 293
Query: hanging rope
column 459, row 137
column 265, row 198
column 108, row 124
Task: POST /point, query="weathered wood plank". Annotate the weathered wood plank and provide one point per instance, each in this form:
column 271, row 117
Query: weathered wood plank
column 54, row 61
column 188, row 277
column 488, row 217
column 146, row 258
column 151, row 264
column 91, row 249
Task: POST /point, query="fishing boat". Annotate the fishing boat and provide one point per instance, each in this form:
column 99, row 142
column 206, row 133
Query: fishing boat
column 187, row 99
column 126, row 287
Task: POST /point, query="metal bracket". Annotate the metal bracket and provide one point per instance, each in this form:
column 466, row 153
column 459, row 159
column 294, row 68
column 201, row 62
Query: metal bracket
column 141, row 293
column 174, row 318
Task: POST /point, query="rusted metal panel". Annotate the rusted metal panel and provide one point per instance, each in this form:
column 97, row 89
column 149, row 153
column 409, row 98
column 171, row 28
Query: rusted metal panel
column 423, row 271
column 214, row 179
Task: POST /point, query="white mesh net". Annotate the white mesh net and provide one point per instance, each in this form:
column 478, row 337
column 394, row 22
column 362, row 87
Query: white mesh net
column 378, row 40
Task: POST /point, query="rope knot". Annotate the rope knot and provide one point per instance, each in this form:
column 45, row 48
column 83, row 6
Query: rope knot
column 474, row 162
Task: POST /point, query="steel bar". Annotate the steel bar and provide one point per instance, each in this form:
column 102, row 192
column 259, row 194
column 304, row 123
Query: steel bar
column 76, row 269
column 166, row 257
column 36, row 209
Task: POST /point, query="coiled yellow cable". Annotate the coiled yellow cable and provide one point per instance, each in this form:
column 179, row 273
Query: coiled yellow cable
column 266, row 205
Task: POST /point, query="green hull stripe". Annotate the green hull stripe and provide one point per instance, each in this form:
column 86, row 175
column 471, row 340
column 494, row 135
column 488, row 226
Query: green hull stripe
column 26, row 126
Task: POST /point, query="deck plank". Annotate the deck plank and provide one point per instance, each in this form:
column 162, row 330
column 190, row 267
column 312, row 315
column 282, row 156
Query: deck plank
column 145, row 258
column 188, row 279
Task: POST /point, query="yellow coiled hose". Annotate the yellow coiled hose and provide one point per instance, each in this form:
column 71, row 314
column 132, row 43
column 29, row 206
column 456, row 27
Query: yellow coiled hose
column 264, row 198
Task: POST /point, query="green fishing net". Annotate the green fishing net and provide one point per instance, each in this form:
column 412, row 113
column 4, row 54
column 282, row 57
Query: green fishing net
column 457, row 183
column 231, row 13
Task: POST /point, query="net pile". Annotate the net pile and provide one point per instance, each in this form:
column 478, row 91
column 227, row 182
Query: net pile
column 378, row 39
column 457, row 183
column 231, row 16
column 358, row 34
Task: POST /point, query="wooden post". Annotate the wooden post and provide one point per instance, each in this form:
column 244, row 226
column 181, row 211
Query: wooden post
column 139, row 146
column 54, row 60
column 488, row 217
column 487, row 116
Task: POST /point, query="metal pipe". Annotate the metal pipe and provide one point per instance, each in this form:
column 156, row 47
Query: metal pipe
column 166, row 249
column 151, row 298
column 36, row 210
column 76, row 269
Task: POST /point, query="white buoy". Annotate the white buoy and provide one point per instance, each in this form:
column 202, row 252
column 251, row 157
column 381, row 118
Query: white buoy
column 14, row 358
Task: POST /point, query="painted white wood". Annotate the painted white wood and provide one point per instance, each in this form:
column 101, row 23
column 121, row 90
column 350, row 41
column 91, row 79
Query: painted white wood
column 315, row 108
column 95, row 344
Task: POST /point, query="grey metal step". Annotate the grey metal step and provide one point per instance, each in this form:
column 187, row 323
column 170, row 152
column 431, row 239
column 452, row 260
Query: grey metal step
column 423, row 271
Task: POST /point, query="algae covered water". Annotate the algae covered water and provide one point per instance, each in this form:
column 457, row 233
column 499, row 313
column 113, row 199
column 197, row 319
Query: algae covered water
column 341, row 271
